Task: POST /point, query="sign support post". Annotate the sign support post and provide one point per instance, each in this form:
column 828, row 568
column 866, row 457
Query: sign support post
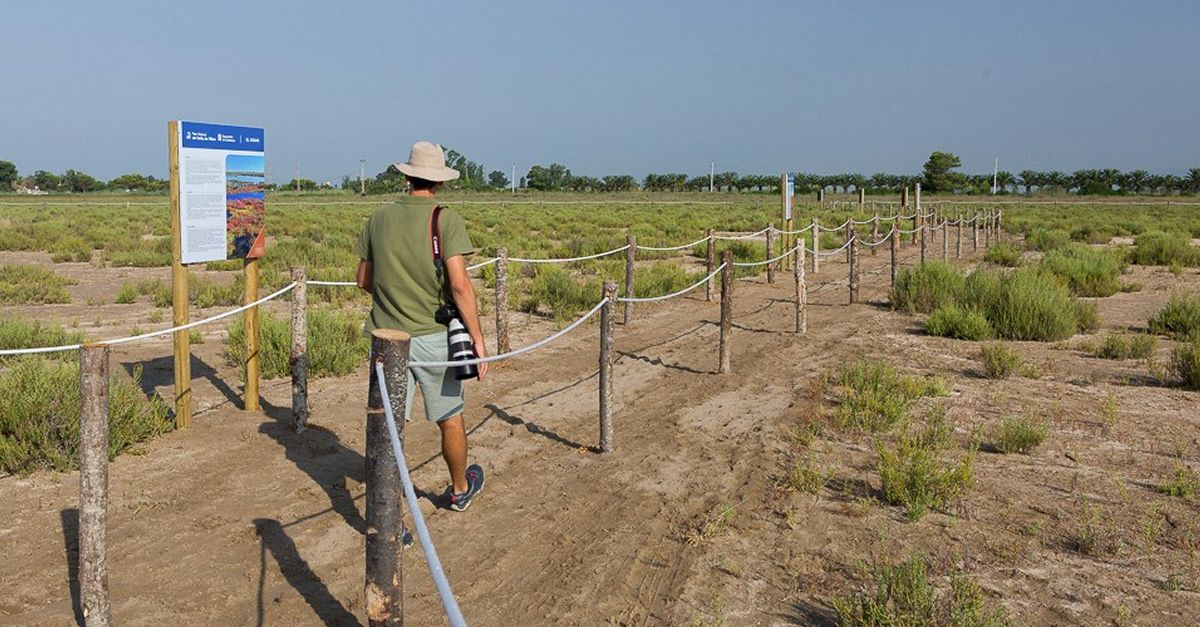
column 250, row 325
column 179, row 291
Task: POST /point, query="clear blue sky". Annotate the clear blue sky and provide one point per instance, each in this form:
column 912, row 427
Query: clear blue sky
column 608, row 87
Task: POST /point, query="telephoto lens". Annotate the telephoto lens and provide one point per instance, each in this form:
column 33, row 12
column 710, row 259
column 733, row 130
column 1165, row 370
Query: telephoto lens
column 461, row 349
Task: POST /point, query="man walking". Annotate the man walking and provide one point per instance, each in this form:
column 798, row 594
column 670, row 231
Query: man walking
column 413, row 262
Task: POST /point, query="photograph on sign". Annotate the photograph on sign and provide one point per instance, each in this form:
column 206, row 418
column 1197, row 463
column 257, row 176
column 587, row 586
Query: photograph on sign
column 221, row 176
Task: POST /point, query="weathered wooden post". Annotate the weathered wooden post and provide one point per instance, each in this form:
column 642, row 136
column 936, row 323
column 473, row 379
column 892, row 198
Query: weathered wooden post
column 923, row 230
column 710, row 262
column 894, row 245
column 801, row 292
column 298, row 357
column 631, row 241
column 385, row 497
column 849, row 236
column 250, row 331
column 502, row 345
column 816, row 237
column 854, row 269
column 607, row 317
column 999, row 231
column 945, row 239
column 875, row 233
column 723, row 350
column 918, row 219
column 958, row 239
column 93, row 485
column 975, row 232
column 862, row 198
column 770, row 252
column 987, row 229
column 896, row 223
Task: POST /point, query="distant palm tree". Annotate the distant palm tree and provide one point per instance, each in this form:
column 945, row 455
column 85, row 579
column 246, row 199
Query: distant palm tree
column 1029, row 178
column 1135, row 181
column 1193, row 180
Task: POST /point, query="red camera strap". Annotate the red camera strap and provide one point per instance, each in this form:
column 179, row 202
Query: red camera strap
column 435, row 238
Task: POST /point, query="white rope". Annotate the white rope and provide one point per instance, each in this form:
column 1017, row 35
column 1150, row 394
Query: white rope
column 345, row 283
column 830, row 252
column 453, row 613
column 908, row 232
column 519, row 351
column 885, row 238
column 146, row 336
column 745, row 236
column 803, row 230
column 483, row 263
column 670, row 248
column 571, row 259
column 749, row 264
column 674, row 294
column 834, row 228
column 867, row 221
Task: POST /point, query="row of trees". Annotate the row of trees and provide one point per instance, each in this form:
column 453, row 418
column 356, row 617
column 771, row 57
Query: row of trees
column 939, row 175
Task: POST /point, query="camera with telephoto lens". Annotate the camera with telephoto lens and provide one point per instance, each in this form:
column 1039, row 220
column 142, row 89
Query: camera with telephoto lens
column 461, row 347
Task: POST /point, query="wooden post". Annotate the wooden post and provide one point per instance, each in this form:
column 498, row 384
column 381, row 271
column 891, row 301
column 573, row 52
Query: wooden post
column 903, row 200
column 987, row 229
column 854, row 269
column 770, row 252
column 945, row 240
column 179, row 291
column 999, row 213
column 298, row 358
column 385, row 496
column 250, row 324
column 502, row 345
column 607, row 315
column 918, row 219
column 710, row 262
column 801, row 292
column 816, row 237
column 894, row 245
column 958, row 239
column 723, row 366
column 629, row 254
column 93, row 485
column 849, row 235
column 862, row 199
column 875, row 233
column 923, row 230
column 975, row 232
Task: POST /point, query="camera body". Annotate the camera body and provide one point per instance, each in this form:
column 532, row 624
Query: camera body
column 461, row 346
column 446, row 313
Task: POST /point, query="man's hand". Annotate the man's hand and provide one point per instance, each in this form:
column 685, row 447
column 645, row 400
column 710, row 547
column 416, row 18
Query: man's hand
column 481, row 352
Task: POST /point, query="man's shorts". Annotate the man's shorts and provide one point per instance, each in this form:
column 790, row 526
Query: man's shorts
column 443, row 393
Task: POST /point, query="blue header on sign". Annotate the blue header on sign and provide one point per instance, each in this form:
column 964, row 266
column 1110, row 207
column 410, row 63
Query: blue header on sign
column 221, row 136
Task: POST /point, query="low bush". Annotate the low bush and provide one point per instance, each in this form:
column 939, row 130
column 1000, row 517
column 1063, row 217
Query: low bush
column 1086, row 270
column 39, row 415
column 70, row 248
column 336, row 344
column 1126, row 346
column 999, row 360
column 1180, row 317
column 1185, row 363
column 21, row 333
column 1185, row 483
column 23, row 284
column 1020, row 434
column 914, row 473
column 1158, row 248
column 876, row 396
column 565, row 296
column 927, row 287
column 1087, row 316
column 1047, row 240
column 960, row 323
column 1033, row 306
column 1003, row 254
column 127, row 294
column 901, row 595
column 204, row 292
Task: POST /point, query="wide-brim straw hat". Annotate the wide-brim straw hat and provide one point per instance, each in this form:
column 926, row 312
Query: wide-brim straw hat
column 427, row 161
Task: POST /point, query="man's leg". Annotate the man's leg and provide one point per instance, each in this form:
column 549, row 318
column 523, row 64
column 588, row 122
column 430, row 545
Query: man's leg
column 454, row 451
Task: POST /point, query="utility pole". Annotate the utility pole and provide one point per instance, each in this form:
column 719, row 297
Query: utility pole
column 297, row 176
column 513, row 182
column 712, row 169
column 362, row 182
column 995, row 172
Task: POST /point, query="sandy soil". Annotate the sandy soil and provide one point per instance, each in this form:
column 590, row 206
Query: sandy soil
column 237, row 520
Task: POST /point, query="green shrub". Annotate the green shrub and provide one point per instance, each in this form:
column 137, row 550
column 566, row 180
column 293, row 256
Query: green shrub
column 336, row 344
column 876, row 396
column 903, row 596
column 23, row 284
column 1087, row 316
column 205, row 292
column 1020, row 434
column 1086, row 271
column 1003, row 254
column 564, row 295
column 959, row 323
column 127, row 294
column 1185, row 483
column 999, row 360
column 1156, row 248
column 39, row 415
column 927, row 287
column 1126, row 346
column 1033, row 306
column 1180, row 317
column 659, row 278
column 21, row 333
column 1047, row 240
column 914, row 473
column 70, row 248
column 1185, row 363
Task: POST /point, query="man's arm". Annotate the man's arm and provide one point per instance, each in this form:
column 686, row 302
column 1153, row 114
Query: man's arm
column 463, row 293
column 365, row 275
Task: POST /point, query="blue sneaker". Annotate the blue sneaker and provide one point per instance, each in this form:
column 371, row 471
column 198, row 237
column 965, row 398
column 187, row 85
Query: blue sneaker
column 460, row 502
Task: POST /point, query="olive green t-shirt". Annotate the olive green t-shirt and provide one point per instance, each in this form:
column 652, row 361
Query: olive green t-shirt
column 405, row 290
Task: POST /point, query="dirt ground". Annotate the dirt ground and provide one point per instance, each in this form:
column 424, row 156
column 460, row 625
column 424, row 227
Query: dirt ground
column 237, row 520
